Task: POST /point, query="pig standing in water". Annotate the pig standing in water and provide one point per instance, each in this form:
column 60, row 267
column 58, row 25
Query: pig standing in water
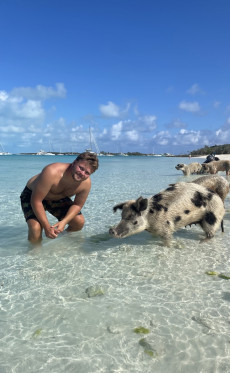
column 179, row 205
column 217, row 184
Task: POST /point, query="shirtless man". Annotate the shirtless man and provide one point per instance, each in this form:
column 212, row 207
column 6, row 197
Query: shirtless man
column 51, row 190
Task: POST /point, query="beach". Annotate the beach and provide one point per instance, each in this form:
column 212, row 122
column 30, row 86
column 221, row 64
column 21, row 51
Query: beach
column 220, row 156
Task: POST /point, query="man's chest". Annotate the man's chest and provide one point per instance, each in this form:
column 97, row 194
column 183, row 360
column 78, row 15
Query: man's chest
column 65, row 189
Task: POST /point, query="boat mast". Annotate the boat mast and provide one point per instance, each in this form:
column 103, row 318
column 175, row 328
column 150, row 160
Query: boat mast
column 90, row 138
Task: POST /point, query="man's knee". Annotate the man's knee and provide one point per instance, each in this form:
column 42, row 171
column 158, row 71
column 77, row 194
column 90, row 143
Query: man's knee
column 35, row 231
column 77, row 223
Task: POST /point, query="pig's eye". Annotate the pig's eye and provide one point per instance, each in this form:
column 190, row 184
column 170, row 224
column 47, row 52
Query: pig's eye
column 135, row 222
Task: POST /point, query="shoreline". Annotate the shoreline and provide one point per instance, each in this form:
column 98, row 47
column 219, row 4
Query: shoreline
column 225, row 157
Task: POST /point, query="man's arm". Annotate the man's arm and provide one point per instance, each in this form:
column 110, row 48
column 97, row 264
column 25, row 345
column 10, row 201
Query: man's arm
column 41, row 188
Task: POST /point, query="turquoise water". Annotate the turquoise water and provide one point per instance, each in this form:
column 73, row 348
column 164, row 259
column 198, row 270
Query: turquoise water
column 73, row 304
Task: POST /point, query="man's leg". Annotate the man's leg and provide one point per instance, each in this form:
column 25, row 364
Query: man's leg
column 34, row 231
column 76, row 224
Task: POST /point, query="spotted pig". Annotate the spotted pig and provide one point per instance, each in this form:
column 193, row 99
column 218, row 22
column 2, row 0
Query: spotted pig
column 191, row 168
column 217, row 184
column 216, row 166
column 179, row 205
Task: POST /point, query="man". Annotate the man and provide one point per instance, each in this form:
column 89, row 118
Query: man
column 51, row 190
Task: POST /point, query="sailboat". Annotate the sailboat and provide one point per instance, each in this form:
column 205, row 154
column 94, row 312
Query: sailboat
column 43, row 152
column 92, row 140
column 2, row 152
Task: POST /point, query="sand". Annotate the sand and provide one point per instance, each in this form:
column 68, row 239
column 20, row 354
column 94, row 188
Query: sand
column 220, row 156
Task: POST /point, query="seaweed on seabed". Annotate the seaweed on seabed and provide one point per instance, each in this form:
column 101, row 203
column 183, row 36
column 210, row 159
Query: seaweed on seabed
column 141, row 330
column 148, row 349
column 225, row 276
column 36, row 333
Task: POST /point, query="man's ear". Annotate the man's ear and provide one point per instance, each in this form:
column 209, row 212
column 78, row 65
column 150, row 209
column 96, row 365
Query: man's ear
column 119, row 206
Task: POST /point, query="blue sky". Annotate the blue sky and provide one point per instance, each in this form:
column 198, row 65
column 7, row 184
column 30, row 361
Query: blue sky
column 144, row 75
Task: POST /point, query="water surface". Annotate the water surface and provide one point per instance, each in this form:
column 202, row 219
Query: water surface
column 75, row 304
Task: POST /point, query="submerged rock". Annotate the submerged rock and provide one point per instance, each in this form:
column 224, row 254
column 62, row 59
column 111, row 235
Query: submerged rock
column 94, row 291
column 113, row 329
column 225, row 276
column 201, row 321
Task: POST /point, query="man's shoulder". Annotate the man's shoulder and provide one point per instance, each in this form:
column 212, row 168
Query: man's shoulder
column 57, row 166
column 55, row 170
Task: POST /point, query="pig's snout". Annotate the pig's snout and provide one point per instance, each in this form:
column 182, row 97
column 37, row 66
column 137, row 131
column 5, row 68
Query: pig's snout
column 112, row 232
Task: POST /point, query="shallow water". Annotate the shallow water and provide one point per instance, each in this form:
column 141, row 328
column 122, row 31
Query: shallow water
column 73, row 304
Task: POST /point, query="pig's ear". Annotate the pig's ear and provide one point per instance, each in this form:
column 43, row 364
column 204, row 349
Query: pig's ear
column 119, row 206
column 141, row 204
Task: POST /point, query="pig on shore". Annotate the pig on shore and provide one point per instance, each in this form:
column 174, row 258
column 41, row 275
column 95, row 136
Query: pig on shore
column 179, row 205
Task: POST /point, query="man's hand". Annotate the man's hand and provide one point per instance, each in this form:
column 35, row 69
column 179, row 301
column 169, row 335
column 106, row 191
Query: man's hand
column 52, row 232
column 59, row 227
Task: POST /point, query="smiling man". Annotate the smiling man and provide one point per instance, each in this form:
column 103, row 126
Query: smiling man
column 51, row 191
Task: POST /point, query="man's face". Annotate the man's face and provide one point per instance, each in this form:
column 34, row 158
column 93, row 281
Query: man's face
column 81, row 170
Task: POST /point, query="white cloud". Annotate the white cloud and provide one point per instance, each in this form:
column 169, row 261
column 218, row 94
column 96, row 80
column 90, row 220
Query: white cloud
column 223, row 135
column 30, row 110
column 177, row 123
column 3, row 96
column 162, row 138
column 19, row 111
column 194, row 89
column 12, row 129
column 133, row 135
column 110, row 110
column 39, row 92
column 23, row 115
column 183, row 138
column 192, row 107
column 149, row 120
column 116, row 130
column 22, row 104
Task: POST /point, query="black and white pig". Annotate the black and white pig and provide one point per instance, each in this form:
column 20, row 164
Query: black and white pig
column 217, row 184
column 179, row 205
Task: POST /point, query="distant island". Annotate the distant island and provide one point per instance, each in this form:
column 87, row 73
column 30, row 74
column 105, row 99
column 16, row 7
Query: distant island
column 106, row 154
column 206, row 150
column 215, row 149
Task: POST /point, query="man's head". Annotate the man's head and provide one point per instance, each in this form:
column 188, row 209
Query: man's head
column 89, row 157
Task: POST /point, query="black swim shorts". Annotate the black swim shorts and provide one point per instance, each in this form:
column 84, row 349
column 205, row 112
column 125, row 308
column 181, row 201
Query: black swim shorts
column 56, row 208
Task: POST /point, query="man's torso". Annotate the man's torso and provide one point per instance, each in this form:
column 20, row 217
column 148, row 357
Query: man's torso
column 63, row 185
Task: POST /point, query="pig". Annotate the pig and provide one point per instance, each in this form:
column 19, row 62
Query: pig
column 215, row 166
column 217, row 184
column 191, row 168
column 179, row 205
